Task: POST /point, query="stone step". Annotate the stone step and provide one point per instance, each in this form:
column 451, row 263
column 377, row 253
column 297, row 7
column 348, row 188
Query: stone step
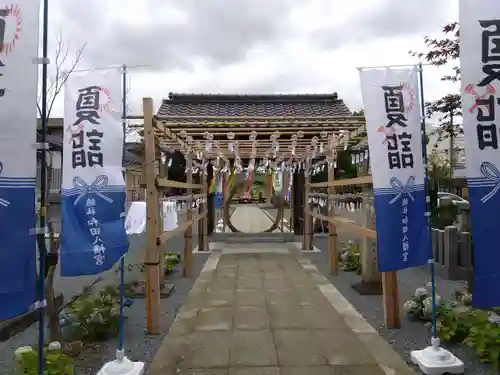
column 253, row 237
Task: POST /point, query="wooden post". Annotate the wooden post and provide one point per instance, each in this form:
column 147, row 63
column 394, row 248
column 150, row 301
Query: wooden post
column 205, row 208
column 291, row 223
column 225, row 196
column 333, row 254
column 201, row 245
column 152, row 261
column 160, row 224
column 269, row 188
column 188, row 233
column 203, row 224
column 305, row 211
column 308, row 220
column 391, row 300
column 371, row 279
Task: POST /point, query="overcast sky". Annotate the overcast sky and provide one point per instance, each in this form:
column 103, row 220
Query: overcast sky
column 250, row 46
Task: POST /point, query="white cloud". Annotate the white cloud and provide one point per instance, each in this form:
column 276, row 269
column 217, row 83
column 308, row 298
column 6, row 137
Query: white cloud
column 283, row 46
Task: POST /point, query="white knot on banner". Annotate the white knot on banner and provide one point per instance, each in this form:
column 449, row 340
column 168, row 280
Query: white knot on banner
column 402, row 189
column 491, row 173
column 3, row 202
column 83, row 188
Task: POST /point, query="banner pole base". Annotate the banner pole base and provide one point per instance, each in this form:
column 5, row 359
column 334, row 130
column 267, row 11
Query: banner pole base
column 122, row 366
column 435, row 360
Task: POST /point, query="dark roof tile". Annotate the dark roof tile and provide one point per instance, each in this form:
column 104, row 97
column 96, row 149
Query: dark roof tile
column 301, row 105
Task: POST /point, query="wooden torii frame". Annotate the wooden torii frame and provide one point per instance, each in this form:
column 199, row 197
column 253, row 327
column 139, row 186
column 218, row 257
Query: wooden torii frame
column 163, row 132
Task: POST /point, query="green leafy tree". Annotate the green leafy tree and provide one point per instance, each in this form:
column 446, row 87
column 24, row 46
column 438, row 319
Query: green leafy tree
column 359, row 112
column 445, row 51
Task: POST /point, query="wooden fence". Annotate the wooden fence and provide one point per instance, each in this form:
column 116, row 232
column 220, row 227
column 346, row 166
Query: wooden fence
column 388, row 280
column 452, row 251
column 155, row 184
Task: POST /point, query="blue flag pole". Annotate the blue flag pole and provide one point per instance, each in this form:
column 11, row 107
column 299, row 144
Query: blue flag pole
column 428, row 203
column 122, row 365
column 121, row 350
column 42, row 249
column 434, row 359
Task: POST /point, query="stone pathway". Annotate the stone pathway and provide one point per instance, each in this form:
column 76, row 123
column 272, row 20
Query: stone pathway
column 265, row 310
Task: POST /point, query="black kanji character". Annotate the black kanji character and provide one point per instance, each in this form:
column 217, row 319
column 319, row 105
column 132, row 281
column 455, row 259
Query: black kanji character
column 405, row 140
column 87, row 105
column 486, row 108
column 78, row 140
column 394, row 160
column 78, row 159
column 396, row 119
column 393, row 99
column 487, row 136
column 95, row 158
column 392, row 142
column 492, row 72
column 3, row 23
column 95, row 138
column 88, row 98
column 407, row 160
column 490, row 41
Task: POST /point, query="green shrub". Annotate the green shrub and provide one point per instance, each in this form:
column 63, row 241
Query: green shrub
column 171, row 259
column 459, row 323
column 350, row 258
column 95, row 317
column 420, row 306
column 55, row 361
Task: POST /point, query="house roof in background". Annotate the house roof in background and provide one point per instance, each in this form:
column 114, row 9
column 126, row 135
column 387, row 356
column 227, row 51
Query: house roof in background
column 54, row 122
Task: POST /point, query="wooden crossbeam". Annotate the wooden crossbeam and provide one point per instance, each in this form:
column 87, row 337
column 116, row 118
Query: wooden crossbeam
column 348, row 225
column 348, row 181
column 165, row 236
column 163, row 182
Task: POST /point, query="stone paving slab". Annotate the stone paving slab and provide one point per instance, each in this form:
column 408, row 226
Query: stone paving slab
column 268, row 313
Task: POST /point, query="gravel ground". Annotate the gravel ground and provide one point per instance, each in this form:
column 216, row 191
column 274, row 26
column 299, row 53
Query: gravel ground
column 412, row 335
column 138, row 345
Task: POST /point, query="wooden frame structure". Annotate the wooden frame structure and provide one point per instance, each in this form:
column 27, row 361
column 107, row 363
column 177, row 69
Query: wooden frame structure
column 188, row 133
column 156, row 236
column 389, row 279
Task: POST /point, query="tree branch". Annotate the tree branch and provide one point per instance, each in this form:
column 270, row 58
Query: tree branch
column 60, row 77
column 441, row 52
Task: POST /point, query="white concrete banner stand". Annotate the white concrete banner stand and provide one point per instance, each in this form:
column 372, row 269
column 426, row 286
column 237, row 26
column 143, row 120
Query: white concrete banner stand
column 122, row 366
column 434, row 360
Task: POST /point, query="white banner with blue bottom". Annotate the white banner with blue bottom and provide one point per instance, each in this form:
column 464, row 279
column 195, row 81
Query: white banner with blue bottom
column 18, row 127
column 392, row 111
column 480, row 68
column 93, row 234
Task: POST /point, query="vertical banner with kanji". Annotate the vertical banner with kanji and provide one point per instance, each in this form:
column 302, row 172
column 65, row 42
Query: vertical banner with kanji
column 480, row 68
column 392, row 111
column 18, row 124
column 93, row 188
